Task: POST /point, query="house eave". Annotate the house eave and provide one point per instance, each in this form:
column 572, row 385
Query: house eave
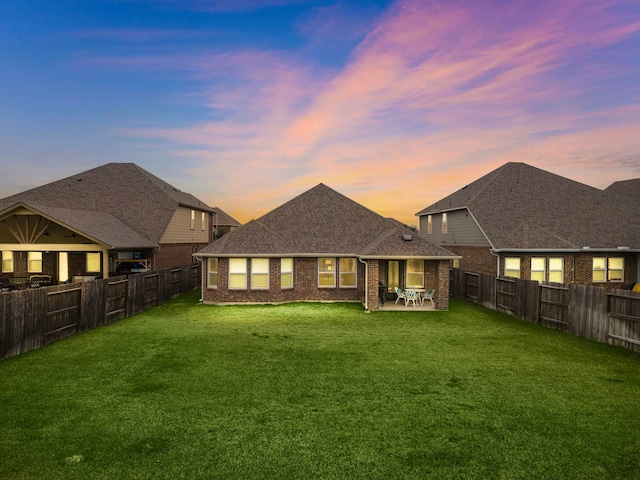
column 442, row 210
column 415, row 257
column 567, row 250
column 319, row 255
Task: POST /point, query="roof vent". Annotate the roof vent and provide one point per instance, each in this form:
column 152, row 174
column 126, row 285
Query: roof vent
column 407, row 238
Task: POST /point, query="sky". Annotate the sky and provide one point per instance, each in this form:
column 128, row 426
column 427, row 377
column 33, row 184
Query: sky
column 247, row 103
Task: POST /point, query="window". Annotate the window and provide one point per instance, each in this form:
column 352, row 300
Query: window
column 34, row 262
column 327, row 272
column 259, row 273
column 193, row 219
column 512, row 267
column 415, row 273
column 237, row 273
column 538, row 268
column 429, row 224
column 444, row 223
column 348, row 275
column 7, row 261
column 212, row 272
column 93, row 262
column 286, row 273
column 599, row 269
column 203, row 223
column 616, row 269
column 63, row 267
column 556, row 270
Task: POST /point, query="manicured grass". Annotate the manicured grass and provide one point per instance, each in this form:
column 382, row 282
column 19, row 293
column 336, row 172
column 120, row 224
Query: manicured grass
column 320, row 391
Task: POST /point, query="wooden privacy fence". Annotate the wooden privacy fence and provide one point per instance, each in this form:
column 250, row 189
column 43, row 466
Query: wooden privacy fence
column 591, row 312
column 32, row 318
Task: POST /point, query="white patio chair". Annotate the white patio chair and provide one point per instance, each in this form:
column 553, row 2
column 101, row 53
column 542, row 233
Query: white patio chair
column 400, row 294
column 427, row 296
column 410, row 296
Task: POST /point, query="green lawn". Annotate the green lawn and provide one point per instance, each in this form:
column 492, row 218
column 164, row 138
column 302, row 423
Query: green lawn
column 320, row 391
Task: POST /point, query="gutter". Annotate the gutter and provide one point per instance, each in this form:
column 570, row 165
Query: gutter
column 565, row 250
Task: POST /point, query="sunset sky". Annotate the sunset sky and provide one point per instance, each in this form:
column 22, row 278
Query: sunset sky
column 248, row 103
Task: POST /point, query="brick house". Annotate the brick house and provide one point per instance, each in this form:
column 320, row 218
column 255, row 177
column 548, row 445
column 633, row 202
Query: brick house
column 322, row 246
column 116, row 218
column 524, row 222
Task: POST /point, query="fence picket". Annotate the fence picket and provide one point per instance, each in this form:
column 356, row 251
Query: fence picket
column 35, row 317
column 584, row 311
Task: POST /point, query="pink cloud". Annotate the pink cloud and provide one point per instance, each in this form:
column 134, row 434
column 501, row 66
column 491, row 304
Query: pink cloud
column 434, row 96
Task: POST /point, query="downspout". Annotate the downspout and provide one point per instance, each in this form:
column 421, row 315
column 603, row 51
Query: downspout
column 497, row 261
column 366, row 284
column 202, row 278
column 495, row 295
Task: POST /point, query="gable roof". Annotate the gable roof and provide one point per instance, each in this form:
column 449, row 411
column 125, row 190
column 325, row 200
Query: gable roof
column 223, row 218
column 99, row 227
column 322, row 221
column 523, row 207
column 125, row 191
column 629, row 189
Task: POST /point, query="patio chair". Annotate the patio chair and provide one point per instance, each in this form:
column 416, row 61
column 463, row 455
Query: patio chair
column 410, row 296
column 400, row 294
column 427, row 296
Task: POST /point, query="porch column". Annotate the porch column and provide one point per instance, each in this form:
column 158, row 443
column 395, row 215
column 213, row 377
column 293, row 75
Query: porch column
column 105, row 263
column 372, row 287
column 441, row 297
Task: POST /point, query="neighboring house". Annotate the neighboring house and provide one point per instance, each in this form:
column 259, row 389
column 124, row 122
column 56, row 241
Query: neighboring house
column 116, row 218
column 222, row 223
column 521, row 221
column 321, row 246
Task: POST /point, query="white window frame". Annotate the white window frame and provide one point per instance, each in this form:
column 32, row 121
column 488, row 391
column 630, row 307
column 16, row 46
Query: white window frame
column 611, row 269
column 414, row 276
column 286, row 273
column 445, row 226
column 93, row 262
column 347, row 271
column 203, row 216
column 599, row 269
column 537, row 269
column 34, row 262
column 260, row 274
column 553, row 270
column 212, row 272
column 193, row 219
column 237, row 274
column 429, row 224
column 327, row 271
column 510, row 269
column 8, row 265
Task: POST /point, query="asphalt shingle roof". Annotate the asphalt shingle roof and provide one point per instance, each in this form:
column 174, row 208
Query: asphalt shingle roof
column 323, row 221
column 523, row 207
column 117, row 194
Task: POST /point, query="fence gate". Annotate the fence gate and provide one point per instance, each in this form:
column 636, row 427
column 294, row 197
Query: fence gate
column 62, row 317
column 554, row 306
column 505, row 295
column 624, row 320
column 176, row 282
column 151, row 290
column 116, row 308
